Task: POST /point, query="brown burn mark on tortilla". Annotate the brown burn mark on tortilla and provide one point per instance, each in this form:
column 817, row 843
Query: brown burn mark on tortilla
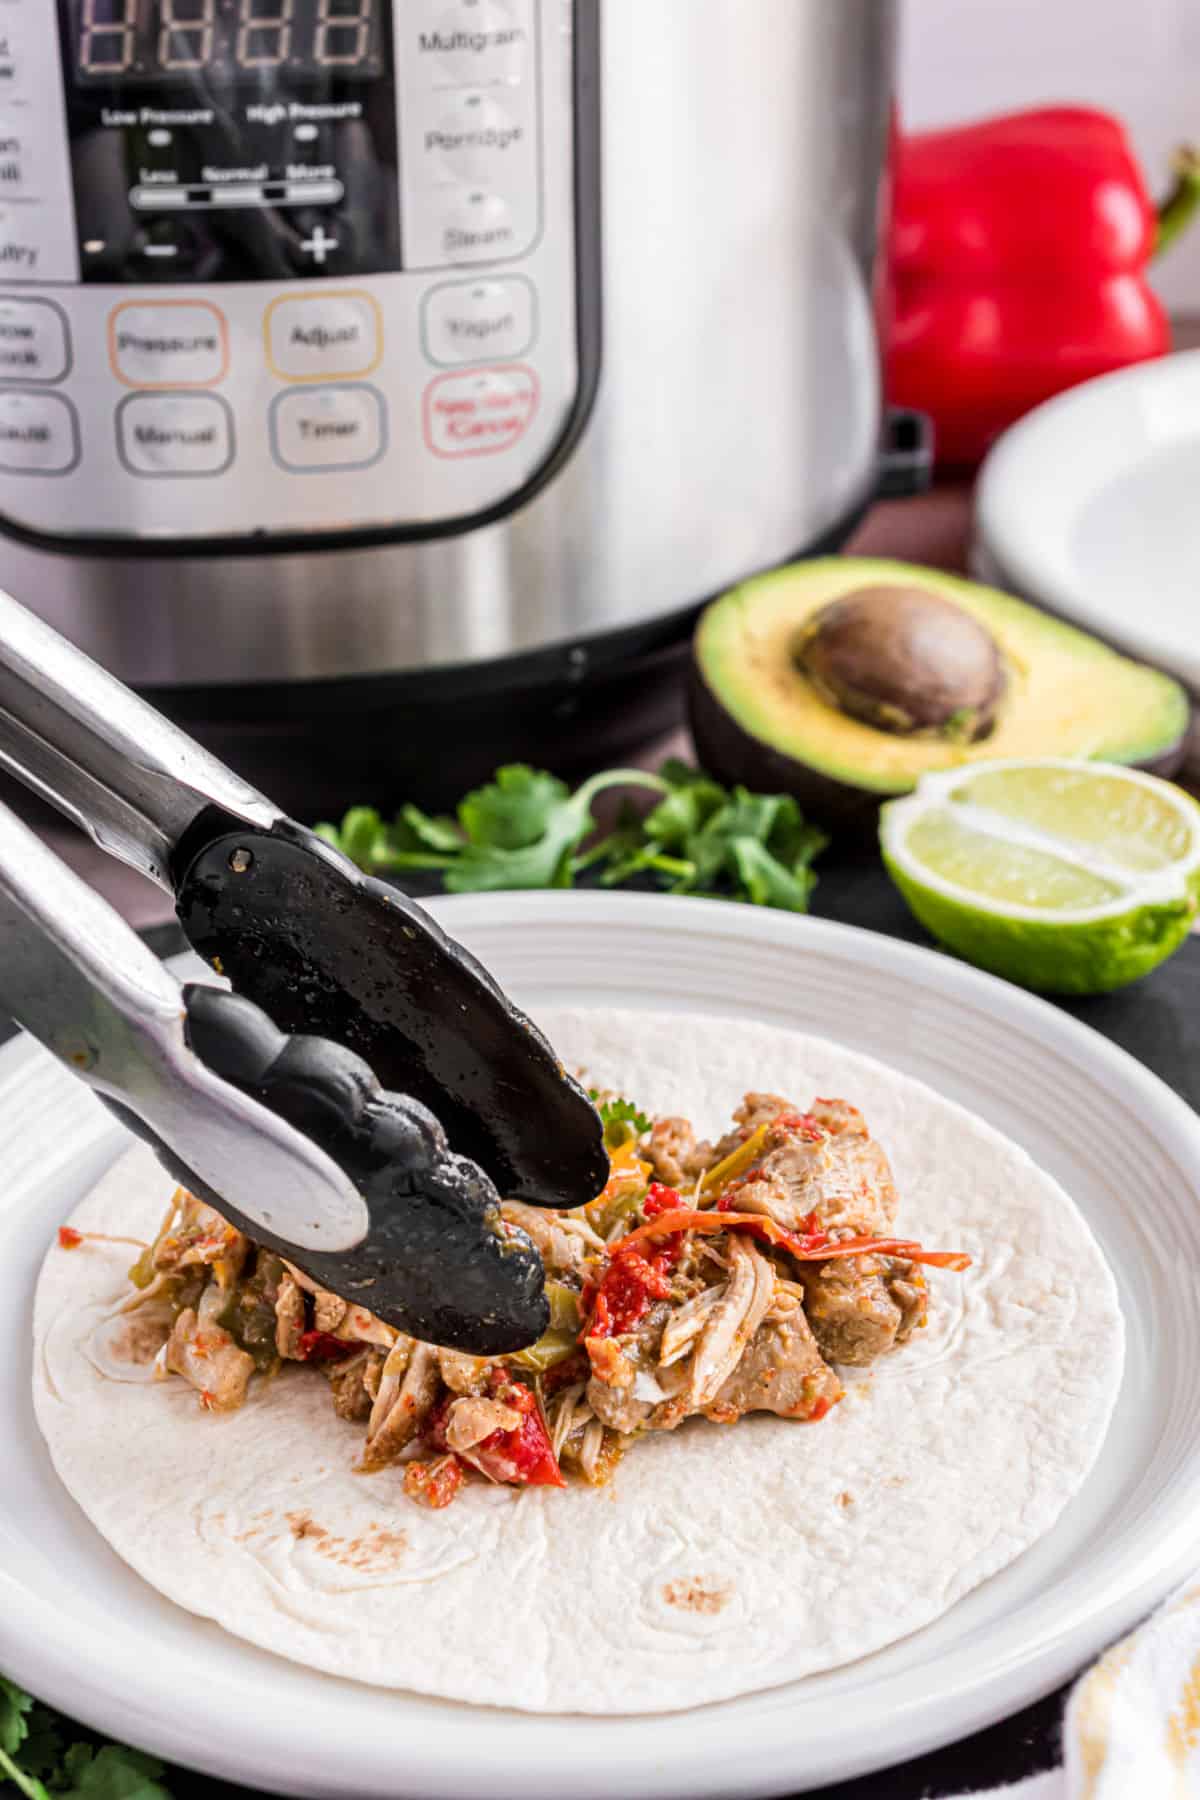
column 137, row 1340
column 699, row 1594
column 374, row 1551
column 845, row 1499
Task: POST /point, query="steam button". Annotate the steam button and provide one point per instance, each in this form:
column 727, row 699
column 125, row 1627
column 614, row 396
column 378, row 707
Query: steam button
column 34, row 344
column 39, row 433
column 477, row 226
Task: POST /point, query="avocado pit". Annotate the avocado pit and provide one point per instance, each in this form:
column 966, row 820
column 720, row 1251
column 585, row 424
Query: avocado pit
column 904, row 660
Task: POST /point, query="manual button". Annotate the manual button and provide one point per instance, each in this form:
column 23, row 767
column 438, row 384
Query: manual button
column 313, row 336
column 174, row 434
column 324, row 428
column 170, row 344
column 34, row 342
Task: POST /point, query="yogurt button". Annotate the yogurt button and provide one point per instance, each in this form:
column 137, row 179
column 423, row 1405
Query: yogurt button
column 174, row 434
column 323, row 428
column 39, row 433
column 476, row 321
column 34, row 343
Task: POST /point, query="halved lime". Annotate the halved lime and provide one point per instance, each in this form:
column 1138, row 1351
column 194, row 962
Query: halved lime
column 1068, row 877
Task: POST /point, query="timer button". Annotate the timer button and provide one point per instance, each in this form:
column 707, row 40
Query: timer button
column 34, row 342
column 39, row 433
column 319, row 429
column 174, row 434
column 311, row 337
column 170, row 344
column 474, row 137
column 476, row 321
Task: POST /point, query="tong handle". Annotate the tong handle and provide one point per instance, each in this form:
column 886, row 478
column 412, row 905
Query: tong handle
column 82, row 982
column 111, row 762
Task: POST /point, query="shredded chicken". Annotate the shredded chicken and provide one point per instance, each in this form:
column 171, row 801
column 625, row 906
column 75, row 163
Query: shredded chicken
column 289, row 1319
column 207, row 1356
column 463, row 1374
column 731, row 1323
column 674, row 1155
column 328, row 1311
column 563, row 1241
column 469, row 1421
column 393, row 1426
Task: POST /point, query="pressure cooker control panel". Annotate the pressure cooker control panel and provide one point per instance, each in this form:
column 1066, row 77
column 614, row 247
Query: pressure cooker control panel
column 283, row 267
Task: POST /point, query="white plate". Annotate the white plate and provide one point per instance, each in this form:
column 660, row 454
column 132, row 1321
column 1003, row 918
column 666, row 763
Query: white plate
column 1090, row 505
column 79, row 1628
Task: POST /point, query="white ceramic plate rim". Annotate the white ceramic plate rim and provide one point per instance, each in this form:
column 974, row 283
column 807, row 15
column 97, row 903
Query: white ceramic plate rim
column 108, row 1680
column 1032, row 484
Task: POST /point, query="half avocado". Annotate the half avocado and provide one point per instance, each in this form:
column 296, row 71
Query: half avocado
column 844, row 680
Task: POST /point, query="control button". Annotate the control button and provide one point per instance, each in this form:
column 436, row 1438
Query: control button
column 474, row 137
column 21, row 244
column 16, row 163
column 12, row 62
column 477, row 227
column 34, row 342
column 311, row 337
column 476, row 41
column 473, row 321
column 174, row 434
column 171, row 344
column 39, row 433
column 322, row 428
column 318, row 244
column 480, row 413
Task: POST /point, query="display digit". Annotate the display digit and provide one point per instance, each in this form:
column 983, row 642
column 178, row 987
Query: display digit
column 264, row 37
column 342, row 36
column 106, row 43
column 186, row 43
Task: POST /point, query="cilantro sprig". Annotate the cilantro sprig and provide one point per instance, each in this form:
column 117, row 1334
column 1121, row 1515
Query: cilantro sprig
column 527, row 829
column 40, row 1763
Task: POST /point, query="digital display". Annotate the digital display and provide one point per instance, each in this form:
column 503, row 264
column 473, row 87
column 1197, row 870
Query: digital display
column 154, row 40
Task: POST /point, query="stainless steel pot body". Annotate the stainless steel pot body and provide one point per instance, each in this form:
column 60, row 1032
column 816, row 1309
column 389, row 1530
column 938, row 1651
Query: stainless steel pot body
column 722, row 416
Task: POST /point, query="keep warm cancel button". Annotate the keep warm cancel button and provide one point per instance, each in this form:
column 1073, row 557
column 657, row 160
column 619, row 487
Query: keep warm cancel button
column 479, row 413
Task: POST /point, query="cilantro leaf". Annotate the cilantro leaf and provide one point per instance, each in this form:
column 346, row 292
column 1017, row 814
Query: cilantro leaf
column 15, row 1707
column 620, row 1112
column 515, row 810
column 111, row 1773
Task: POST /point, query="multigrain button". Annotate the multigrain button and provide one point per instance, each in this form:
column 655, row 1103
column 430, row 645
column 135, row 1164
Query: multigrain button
column 174, row 434
column 475, row 41
column 34, row 341
column 313, row 336
column 39, row 433
column 476, row 321
column 317, row 429
column 170, row 344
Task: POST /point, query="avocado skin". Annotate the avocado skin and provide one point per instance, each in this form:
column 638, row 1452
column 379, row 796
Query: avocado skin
column 732, row 754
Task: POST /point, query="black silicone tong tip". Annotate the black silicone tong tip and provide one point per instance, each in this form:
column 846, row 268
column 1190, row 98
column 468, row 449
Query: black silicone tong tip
column 438, row 1261
column 324, row 949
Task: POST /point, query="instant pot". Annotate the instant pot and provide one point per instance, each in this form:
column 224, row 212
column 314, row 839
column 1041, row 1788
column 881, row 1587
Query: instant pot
column 384, row 383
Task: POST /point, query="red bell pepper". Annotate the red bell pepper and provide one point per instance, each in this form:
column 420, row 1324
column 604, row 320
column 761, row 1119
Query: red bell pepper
column 1019, row 255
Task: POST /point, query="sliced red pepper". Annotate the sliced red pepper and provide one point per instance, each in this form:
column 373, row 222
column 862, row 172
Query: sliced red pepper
column 523, row 1456
column 660, row 1199
column 69, row 1238
column 323, row 1346
column 813, row 1248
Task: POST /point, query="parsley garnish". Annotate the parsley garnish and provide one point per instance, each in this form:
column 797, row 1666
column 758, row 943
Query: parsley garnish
column 525, row 829
column 42, row 1765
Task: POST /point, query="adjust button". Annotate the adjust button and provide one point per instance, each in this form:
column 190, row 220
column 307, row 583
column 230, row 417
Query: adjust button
column 311, row 337
column 34, row 342
column 170, row 344
column 475, row 321
column 323, row 428
column 174, row 434
column 39, row 433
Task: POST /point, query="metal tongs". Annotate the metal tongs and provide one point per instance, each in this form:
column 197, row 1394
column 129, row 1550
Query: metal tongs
column 363, row 1095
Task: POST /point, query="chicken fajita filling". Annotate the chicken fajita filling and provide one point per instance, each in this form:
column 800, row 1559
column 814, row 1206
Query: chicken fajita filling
column 707, row 1279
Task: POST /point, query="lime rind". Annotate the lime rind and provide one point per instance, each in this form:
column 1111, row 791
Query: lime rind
column 1084, row 950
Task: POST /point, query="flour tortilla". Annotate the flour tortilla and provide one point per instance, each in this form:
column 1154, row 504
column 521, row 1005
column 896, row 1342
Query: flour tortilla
column 721, row 1560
